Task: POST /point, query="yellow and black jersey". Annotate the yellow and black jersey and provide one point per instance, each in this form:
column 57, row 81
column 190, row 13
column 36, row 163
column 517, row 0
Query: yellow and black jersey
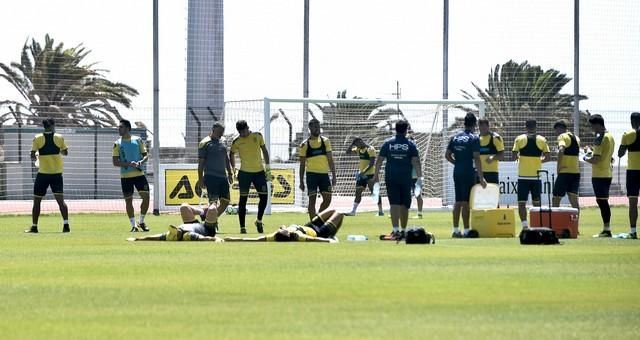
column 603, row 147
column 48, row 145
column 296, row 230
column 315, row 151
column 366, row 155
column 569, row 162
column 490, row 144
column 249, row 149
column 631, row 140
column 530, row 149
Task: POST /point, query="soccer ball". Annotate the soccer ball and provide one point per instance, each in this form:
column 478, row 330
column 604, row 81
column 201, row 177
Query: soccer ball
column 232, row 210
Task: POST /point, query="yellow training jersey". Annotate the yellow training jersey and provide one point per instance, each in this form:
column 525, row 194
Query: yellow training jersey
column 632, row 141
column 571, row 144
column 133, row 150
column 48, row 146
column 296, row 229
column 530, row 149
column 490, row 144
column 250, row 150
column 366, row 155
column 315, row 150
column 603, row 147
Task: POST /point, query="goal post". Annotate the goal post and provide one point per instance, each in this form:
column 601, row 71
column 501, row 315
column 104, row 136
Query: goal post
column 373, row 120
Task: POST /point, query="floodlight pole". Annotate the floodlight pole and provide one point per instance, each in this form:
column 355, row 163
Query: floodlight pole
column 155, row 152
column 576, row 67
column 445, row 91
column 305, row 71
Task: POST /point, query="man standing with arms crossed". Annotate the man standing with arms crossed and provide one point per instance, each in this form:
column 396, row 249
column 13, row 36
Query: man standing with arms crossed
column 252, row 151
column 463, row 151
column 316, row 159
column 213, row 160
column 129, row 154
column 366, row 169
column 568, row 170
column 401, row 154
column 631, row 142
column 531, row 150
column 601, row 170
column 491, row 151
column 49, row 146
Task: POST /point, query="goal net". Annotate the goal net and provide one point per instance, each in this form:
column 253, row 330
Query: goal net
column 432, row 123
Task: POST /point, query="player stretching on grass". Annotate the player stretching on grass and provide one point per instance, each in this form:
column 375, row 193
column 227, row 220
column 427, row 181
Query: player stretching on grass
column 322, row 228
column 50, row 146
column 213, row 161
column 601, row 170
column 316, row 160
column 400, row 155
column 631, row 142
column 190, row 229
column 366, row 169
column 252, row 151
column 129, row 154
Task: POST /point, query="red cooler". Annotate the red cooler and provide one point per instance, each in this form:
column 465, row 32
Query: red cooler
column 564, row 221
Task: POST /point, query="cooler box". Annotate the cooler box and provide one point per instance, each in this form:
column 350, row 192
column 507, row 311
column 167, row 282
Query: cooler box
column 564, row 221
column 486, row 218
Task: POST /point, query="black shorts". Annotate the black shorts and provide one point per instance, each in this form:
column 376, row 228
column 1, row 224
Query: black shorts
column 463, row 184
column 399, row 193
column 217, row 188
column 601, row 187
column 44, row 181
column 526, row 186
column 325, row 229
column 491, row 177
column 633, row 183
column 318, row 182
column 139, row 182
column 566, row 183
column 258, row 179
column 363, row 182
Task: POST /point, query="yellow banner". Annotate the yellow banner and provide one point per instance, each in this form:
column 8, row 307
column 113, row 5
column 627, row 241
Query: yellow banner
column 180, row 187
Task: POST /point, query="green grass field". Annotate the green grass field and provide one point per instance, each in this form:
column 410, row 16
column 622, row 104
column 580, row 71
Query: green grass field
column 92, row 283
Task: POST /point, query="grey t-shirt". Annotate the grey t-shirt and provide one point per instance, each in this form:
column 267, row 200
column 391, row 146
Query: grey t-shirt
column 214, row 153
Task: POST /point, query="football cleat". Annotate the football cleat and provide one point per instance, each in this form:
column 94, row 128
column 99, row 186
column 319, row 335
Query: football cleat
column 604, row 234
column 259, row 226
column 456, row 234
column 32, row 230
column 65, row 228
column 143, row 227
column 350, row 213
column 243, row 230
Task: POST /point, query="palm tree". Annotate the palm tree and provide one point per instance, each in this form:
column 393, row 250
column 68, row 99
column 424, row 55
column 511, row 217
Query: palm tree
column 518, row 91
column 52, row 82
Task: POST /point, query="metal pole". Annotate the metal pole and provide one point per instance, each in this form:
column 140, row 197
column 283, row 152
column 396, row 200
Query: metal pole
column 445, row 93
column 305, row 71
column 576, row 67
column 155, row 152
column 267, row 143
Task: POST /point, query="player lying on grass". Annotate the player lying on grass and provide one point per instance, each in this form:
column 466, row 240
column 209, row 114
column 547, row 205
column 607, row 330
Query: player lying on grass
column 191, row 229
column 322, row 228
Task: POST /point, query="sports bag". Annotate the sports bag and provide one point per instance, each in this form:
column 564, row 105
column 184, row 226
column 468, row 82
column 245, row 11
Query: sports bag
column 538, row 236
column 417, row 235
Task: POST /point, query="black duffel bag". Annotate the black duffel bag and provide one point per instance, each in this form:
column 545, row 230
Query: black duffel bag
column 538, row 236
column 417, row 235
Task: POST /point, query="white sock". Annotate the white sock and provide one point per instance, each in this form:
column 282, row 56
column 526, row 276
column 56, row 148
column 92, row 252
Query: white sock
column 65, row 221
column 34, row 225
column 141, row 218
column 132, row 221
column 525, row 224
column 456, row 229
column 355, row 207
column 633, row 230
column 606, row 227
column 395, row 229
column 259, row 221
column 466, row 231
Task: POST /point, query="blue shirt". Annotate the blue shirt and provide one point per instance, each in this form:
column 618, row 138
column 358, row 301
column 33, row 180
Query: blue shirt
column 398, row 151
column 463, row 145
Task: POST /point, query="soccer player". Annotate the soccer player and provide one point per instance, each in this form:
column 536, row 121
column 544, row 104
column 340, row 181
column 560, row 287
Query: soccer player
column 190, row 229
column 213, row 160
column 491, row 151
column 129, row 154
column 316, row 160
column 568, row 170
column 463, row 151
column 252, row 151
column 631, row 142
column 601, row 170
column 322, row 228
column 400, row 155
column 50, row 146
column 531, row 150
column 366, row 169
column 419, row 201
